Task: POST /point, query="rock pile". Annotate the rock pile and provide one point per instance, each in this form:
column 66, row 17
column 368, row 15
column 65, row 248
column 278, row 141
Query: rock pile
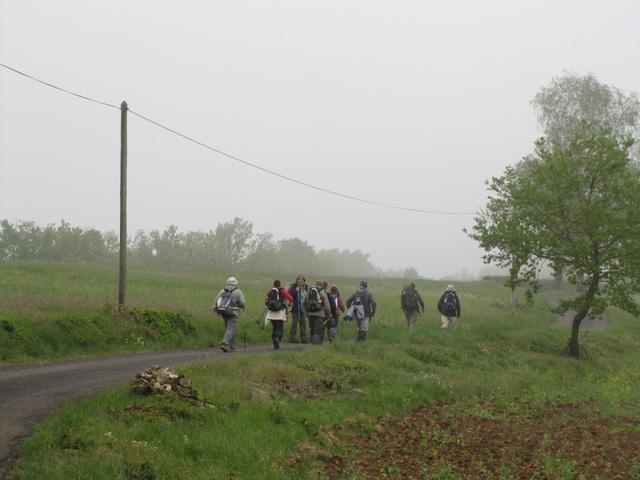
column 162, row 380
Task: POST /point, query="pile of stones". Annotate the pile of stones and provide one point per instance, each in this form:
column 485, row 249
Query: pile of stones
column 163, row 381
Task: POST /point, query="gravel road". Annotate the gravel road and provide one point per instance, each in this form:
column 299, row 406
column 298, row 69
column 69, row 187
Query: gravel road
column 30, row 393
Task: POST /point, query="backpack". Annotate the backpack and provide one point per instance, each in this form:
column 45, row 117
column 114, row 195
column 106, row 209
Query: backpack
column 357, row 301
column 274, row 300
column 450, row 304
column 409, row 300
column 223, row 303
column 314, row 300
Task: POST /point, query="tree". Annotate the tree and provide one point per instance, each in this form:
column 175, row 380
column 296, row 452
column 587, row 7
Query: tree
column 264, row 255
column 297, row 256
column 233, row 241
column 410, row 272
column 576, row 208
column 504, row 237
column 571, row 102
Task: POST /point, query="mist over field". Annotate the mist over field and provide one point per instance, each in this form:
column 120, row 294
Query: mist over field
column 412, row 104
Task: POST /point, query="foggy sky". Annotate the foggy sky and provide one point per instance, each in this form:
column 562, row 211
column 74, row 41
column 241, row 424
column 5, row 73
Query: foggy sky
column 410, row 103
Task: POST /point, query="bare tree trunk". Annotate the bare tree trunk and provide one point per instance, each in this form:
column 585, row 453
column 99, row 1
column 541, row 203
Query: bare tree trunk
column 574, row 341
column 514, row 301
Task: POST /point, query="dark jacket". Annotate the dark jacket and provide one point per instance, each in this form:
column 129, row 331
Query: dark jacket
column 441, row 303
column 284, row 295
column 419, row 302
column 336, row 304
column 368, row 302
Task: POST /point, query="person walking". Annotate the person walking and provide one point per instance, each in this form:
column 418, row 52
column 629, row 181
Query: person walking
column 275, row 300
column 411, row 302
column 228, row 304
column 298, row 318
column 362, row 308
column 337, row 307
column 449, row 307
column 317, row 309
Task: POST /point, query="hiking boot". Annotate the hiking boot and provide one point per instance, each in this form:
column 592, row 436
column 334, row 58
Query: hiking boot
column 276, row 343
column 224, row 347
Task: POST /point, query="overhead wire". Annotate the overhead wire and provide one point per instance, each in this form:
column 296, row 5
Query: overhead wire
column 84, row 97
column 245, row 162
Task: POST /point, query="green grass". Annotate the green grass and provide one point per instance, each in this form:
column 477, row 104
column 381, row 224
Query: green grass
column 493, row 356
column 55, row 310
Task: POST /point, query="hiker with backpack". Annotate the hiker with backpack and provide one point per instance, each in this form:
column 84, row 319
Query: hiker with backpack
column 337, row 307
column 318, row 309
column 275, row 300
column 298, row 291
column 362, row 308
column 228, row 304
column 449, row 307
column 410, row 302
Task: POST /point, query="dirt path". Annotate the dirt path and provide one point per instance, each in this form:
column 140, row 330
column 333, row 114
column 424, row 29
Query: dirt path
column 30, row 393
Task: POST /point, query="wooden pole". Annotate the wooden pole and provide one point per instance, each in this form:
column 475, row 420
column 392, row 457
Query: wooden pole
column 122, row 279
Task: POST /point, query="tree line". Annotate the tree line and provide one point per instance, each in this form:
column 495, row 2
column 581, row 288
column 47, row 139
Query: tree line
column 231, row 245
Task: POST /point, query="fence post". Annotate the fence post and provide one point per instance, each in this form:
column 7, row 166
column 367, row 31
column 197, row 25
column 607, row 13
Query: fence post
column 122, row 277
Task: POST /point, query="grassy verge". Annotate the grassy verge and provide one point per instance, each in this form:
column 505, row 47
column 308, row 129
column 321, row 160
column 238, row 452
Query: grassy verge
column 55, row 310
column 287, row 415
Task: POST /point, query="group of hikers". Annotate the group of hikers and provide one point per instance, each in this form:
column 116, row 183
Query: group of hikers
column 316, row 310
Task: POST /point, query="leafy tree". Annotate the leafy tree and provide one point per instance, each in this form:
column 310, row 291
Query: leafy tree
column 576, row 208
column 297, row 256
column 505, row 238
column 571, row 102
column 233, row 241
column 264, row 255
column 410, row 272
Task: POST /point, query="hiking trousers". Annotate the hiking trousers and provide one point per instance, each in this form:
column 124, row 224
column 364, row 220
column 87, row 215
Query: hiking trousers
column 332, row 327
column 362, row 324
column 229, row 330
column 411, row 316
column 298, row 320
column 316, row 326
column 448, row 322
column 277, row 329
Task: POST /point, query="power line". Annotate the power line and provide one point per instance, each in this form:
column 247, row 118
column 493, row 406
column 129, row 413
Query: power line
column 290, row 179
column 245, row 162
column 59, row 88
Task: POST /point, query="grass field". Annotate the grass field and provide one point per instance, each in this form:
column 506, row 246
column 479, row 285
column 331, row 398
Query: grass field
column 496, row 398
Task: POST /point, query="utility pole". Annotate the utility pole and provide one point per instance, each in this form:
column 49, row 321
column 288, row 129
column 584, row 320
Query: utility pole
column 122, row 278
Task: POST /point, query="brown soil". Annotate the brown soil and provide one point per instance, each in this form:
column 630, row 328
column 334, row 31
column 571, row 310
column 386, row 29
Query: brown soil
column 439, row 441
